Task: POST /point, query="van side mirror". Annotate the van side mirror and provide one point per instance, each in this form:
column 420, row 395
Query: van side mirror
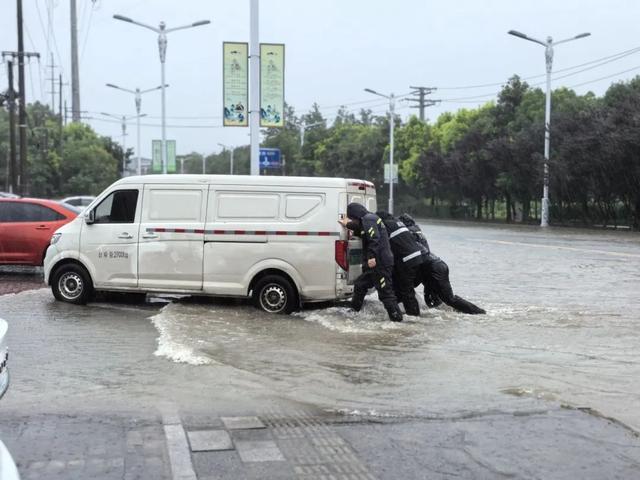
column 90, row 217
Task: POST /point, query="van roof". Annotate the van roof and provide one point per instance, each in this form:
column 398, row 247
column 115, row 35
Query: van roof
column 247, row 179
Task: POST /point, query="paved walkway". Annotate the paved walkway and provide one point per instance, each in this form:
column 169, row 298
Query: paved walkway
column 551, row 444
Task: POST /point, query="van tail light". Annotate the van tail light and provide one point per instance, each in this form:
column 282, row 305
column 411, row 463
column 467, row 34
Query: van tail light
column 341, row 254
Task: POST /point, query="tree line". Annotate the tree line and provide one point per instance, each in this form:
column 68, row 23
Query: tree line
column 484, row 163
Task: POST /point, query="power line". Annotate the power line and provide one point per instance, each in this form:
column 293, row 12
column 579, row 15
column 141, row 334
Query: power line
column 86, row 33
column 604, row 78
column 471, row 99
column 50, row 29
column 604, row 60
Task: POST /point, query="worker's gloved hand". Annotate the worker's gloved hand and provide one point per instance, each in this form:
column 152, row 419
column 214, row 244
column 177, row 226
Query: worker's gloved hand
column 432, row 300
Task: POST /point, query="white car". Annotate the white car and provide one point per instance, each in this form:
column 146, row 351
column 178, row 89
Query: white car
column 80, row 202
column 4, row 358
column 8, row 470
column 274, row 239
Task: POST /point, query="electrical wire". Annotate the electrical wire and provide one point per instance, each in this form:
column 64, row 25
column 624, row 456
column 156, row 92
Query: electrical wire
column 605, row 78
column 600, row 61
column 40, row 77
column 51, row 30
column 86, row 34
column 154, row 125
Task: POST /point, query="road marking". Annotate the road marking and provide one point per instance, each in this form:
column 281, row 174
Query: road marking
column 178, row 447
column 538, row 245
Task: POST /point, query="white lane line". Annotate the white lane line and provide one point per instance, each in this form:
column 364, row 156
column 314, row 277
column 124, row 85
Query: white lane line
column 178, row 448
column 538, row 245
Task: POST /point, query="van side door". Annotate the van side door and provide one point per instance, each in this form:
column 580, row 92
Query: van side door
column 109, row 245
column 171, row 237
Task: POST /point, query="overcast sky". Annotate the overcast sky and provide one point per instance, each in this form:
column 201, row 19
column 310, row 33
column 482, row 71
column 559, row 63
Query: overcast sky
column 334, row 49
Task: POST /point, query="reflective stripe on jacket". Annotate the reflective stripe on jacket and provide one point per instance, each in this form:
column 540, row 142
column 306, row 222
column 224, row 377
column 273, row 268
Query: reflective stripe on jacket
column 406, row 250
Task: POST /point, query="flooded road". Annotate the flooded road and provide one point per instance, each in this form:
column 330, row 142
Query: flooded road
column 562, row 326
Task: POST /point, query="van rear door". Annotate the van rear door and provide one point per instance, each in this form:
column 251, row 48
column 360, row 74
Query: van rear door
column 363, row 192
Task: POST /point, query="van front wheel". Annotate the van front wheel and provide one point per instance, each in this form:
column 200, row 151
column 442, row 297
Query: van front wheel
column 71, row 283
column 274, row 294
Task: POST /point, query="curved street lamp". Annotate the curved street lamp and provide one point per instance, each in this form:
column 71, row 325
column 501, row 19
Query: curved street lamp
column 162, row 32
column 548, row 55
column 392, row 103
column 138, row 98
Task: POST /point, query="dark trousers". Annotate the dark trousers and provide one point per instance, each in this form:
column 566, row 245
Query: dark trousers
column 404, row 279
column 380, row 278
column 435, row 278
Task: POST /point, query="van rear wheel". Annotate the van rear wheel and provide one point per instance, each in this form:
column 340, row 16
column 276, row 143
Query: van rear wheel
column 274, row 294
column 71, row 283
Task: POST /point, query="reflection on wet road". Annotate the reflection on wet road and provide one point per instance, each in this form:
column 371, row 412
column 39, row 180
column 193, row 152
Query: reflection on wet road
column 562, row 321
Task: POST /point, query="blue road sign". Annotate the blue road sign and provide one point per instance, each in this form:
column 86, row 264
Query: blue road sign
column 270, row 158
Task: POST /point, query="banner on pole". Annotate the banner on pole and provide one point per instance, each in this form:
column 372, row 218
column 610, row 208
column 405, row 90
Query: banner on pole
column 156, row 156
column 271, row 85
column 171, row 156
column 235, row 84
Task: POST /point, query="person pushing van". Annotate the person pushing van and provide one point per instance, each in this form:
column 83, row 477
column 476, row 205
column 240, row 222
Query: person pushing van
column 378, row 264
column 409, row 255
column 435, row 275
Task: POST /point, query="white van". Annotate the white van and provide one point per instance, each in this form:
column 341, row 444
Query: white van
column 274, row 239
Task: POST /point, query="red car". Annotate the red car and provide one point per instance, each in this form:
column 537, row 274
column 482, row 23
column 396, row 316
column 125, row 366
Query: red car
column 26, row 226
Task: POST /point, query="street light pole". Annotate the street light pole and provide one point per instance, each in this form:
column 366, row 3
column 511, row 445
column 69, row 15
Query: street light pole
column 254, row 87
column 303, row 127
column 162, row 32
column 392, row 105
column 138, row 99
column 548, row 55
column 225, row 147
column 124, row 119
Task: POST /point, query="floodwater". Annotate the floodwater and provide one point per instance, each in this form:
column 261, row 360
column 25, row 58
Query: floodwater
column 562, row 326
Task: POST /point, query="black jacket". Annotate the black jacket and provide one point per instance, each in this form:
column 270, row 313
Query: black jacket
column 406, row 250
column 374, row 236
column 410, row 223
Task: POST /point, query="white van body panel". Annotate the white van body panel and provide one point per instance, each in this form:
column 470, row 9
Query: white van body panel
column 213, row 234
column 172, row 259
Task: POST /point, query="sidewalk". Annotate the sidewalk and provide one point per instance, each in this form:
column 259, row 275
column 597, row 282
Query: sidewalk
column 549, row 444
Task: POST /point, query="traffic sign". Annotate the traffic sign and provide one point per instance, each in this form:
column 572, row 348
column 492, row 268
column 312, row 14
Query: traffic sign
column 386, row 173
column 270, row 158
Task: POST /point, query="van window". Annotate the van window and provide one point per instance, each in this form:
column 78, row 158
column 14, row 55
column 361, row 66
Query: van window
column 356, row 198
column 371, row 204
column 174, row 205
column 247, row 205
column 118, row 207
column 299, row 205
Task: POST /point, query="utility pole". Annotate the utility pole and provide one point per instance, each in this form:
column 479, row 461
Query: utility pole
column 52, row 66
column 60, row 140
column 75, row 73
column 422, row 101
column 60, row 84
column 12, row 131
column 22, row 114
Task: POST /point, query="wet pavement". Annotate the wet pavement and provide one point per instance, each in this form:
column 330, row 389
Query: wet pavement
column 543, row 386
